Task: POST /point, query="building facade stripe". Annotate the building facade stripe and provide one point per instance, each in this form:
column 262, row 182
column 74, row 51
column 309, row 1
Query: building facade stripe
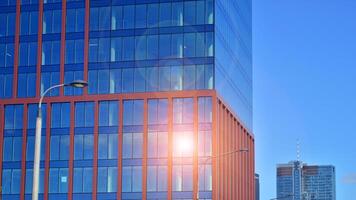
column 63, row 45
column 23, row 154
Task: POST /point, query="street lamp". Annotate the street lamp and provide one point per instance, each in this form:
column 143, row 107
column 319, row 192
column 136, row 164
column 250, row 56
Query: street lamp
column 216, row 156
column 36, row 162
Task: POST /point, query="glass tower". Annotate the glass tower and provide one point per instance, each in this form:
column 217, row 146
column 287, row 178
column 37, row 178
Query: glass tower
column 299, row 181
column 162, row 75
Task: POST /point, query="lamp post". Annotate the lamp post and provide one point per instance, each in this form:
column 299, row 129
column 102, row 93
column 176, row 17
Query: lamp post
column 216, row 156
column 36, row 162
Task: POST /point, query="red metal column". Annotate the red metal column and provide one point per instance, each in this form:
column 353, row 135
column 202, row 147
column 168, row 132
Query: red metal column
column 39, row 48
column 240, row 163
column 86, row 44
column 221, row 145
column 119, row 153
column 195, row 156
column 214, row 146
column 228, row 157
column 71, row 150
column 144, row 159
column 23, row 156
column 170, row 147
column 95, row 158
column 2, row 119
column 16, row 49
column 48, row 142
column 234, row 159
column 63, row 44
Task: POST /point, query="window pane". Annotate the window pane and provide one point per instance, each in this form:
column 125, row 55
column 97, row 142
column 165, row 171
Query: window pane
column 78, row 147
column 116, row 17
column 63, row 182
column 189, row 13
column 112, row 179
column 141, row 13
column 151, row 179
column 129, row 46
column 53, row 180
column 104, row 18
column 87, row 179
column 129, row 19
column 152, row 79
column 113, row 146
column 165, row 14
column 162, row 178
column 127, row 80
column 152, row 47
column 64, row 147
column 137, row 145
column 164, row 78
column 152, row 15
column 116, row 49
column 140, row 79
column 189, row 77
column 177, row 13
column 113, row 113
column 187, row 178
column 126, row 179
column 115, row 81
column 103, row 81
column 164, row 46
column 127, row 145
column 189, row 45
column 102, row 179
column 136, row 179
column 88, row 146
column 103, row 146
column 177, row 78
column 78, row 180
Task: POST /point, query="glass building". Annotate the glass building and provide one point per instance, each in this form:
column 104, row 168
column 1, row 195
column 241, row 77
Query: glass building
column 299, row 181
column 162, row 75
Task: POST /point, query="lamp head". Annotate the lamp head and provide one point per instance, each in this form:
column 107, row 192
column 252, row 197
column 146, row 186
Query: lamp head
column 78, row 84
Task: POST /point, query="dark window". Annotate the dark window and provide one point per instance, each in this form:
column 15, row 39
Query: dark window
column 189, row 77
column 141, row 16
column 84, row 114
column 13, row 117
column 75, row 20
column 83, row 147
column 116, row 17
column 49, row 79
column 70, row 76
column 165, row 14
column 164, row 78
column 152, row 47
column 128, row 17
column 74, row 51
column 132, row 179
column 152, row 79
column 59, row 147
column 129, row 46
column 177, row 13
column 152, row 15
column 51, row 21
column 60, row 115
column 82, row 180
column 108, row 146
column 5, row 86
column 107, row 179
column 108, row 113
column 127, row 80
column 139, row 79
column 58, row 180
column 26, row 86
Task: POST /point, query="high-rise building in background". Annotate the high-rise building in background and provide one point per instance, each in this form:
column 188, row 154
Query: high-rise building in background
column 257, row 187
column 299, row 181
column 161, row 75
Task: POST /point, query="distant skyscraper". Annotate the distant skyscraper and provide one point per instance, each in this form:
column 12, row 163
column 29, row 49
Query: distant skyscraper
column 257, row 187
column 299, row 181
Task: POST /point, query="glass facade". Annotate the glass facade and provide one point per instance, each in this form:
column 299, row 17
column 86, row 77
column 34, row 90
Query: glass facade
column 152, row 69
column 306, row 181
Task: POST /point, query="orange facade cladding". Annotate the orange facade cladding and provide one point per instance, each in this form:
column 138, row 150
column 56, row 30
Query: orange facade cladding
column 232, row 175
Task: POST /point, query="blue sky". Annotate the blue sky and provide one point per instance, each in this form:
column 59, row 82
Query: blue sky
column 305, row 87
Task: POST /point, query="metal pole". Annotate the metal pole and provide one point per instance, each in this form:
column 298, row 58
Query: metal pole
column 36, row 163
